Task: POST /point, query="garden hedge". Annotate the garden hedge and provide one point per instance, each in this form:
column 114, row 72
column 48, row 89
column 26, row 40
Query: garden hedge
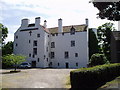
column 94, row 77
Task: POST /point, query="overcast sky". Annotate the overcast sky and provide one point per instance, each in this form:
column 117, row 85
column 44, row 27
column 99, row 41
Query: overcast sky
column 73, row 12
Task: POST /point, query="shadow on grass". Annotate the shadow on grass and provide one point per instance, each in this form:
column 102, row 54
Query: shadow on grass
column 11, row 72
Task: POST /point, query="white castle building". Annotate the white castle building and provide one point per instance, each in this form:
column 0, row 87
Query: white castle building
column 58, row 47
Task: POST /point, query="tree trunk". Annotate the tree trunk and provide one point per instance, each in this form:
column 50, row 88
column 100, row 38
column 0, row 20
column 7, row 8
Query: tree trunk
column 15, row 67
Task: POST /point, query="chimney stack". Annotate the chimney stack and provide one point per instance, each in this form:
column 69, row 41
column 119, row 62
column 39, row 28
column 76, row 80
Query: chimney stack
column 86, row 21
column 37, row 21
column 24, row 23
column 60, row 28
column 45, row 24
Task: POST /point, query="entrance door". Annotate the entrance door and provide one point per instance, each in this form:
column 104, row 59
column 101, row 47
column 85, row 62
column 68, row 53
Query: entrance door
column 67, row 65
column 33, row 63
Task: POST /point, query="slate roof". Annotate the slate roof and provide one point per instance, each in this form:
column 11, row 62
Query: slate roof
column 45, row 29
column 31, row 25
column 66, row 29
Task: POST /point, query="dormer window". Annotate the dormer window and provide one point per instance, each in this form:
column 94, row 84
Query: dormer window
column 72, row 31
column 53, row 34
column 56, row 34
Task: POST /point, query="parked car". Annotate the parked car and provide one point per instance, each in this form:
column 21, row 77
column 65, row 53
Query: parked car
column 25, row 65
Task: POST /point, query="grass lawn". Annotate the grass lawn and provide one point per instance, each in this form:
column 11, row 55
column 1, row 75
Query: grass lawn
column 112, row 84
column 67, row 84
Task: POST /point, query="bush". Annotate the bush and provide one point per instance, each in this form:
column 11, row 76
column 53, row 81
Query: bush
column 94, row 77
column 98, row 59
column 13, row 60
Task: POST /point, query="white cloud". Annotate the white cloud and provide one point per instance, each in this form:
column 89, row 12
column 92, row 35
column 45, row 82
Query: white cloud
column 71, row 11
column 9, row 38
column 11, row 31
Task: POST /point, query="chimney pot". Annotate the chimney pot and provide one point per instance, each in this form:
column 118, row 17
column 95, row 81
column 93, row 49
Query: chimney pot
column 86, row 21
column 37, row 21
column 24, row 22
column 60, row 28
column 45, row 23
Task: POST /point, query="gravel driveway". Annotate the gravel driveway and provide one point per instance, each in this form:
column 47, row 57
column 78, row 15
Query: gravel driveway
column 35, row 78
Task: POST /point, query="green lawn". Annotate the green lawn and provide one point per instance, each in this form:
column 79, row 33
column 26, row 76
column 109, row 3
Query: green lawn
column 112, row 84
column 68, row 85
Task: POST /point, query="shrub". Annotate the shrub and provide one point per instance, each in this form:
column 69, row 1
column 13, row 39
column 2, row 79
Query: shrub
column 11, row 59
column 98, row 59
column 94, row 77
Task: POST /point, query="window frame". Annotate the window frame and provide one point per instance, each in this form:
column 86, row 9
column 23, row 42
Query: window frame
column 53, row 34
column 34, row 51
column 38, row 35
column 33, row 56
column 72, row 31
column 35, row 43
column 29, row 41
column 52, row 44
column 16, row 44
column 56, row 34
column 76, row 64
column 76, row 54
column 38, row 59
column 29, row 54
column 52, row 55
column 66, row 54
column 58, row 64
column 47, row 59
column 73, row 43
column 47, row 49
column 16, row 36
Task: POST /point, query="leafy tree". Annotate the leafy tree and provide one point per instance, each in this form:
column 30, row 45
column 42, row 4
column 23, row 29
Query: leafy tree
column 7, row 48
column 104, row 38
column 4, row 31
column 14, row 60
column 108, row 10
column 93, row 43
column 98, row 59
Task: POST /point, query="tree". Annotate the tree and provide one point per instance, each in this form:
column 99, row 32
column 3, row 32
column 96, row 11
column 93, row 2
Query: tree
column 4, row 31
column 93, row 43
column 7, row 48
column 104, row 38
column 14, row 60
column 98, row 59
column 108, row 10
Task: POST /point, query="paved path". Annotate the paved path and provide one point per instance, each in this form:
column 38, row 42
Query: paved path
column 35, row 78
